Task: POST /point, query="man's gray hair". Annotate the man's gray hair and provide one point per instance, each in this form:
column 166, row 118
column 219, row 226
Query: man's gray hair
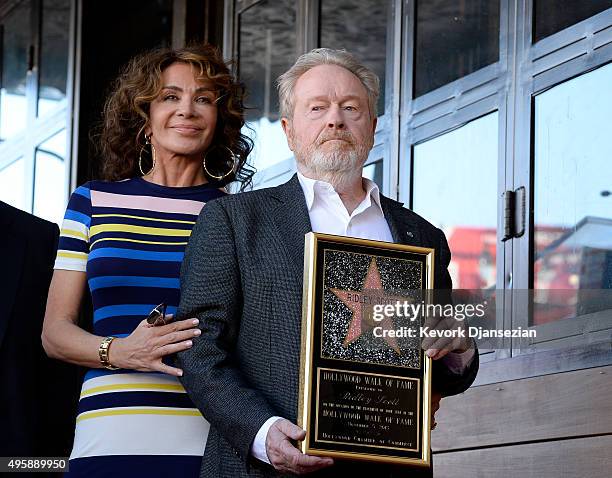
column 326, row 56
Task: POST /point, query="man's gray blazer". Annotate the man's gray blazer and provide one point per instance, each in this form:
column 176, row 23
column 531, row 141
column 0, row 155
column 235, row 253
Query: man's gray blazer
column 242, row 277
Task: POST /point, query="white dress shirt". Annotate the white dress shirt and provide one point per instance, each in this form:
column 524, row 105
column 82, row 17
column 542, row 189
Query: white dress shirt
column 329, row 215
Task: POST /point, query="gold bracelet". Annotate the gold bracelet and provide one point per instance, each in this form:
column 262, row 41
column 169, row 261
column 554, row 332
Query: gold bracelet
column 103, row 353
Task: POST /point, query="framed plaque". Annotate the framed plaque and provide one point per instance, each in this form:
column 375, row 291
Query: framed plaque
column 365, row 383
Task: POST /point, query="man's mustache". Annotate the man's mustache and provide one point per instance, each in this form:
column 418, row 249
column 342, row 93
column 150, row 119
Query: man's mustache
column 343, row 135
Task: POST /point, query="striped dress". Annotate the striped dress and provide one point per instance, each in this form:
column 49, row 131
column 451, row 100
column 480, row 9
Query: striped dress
column 129, row 237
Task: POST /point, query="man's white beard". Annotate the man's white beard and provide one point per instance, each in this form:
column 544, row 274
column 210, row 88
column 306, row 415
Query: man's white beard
column 335, row 166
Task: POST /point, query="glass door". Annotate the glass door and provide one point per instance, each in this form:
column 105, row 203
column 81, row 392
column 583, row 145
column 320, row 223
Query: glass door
column 565, row 258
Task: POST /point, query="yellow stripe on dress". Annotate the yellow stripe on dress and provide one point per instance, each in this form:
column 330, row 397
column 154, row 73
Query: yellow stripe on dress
column 145, row 218
column 134, row 386
column 72, row 233
column 72, row 255
column 185, row 412
column 139, row 242
column 150, row 231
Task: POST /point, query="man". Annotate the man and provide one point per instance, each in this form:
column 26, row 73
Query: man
column 242, row 275
column 38, row 395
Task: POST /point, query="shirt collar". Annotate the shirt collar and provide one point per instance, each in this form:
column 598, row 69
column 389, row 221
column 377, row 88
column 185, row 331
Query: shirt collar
column 313, row 186
column 307, row 185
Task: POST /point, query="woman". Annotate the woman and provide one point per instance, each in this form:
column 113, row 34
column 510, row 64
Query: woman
column 170, row 140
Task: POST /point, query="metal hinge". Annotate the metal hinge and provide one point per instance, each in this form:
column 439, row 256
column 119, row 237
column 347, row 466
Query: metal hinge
column 514, row 213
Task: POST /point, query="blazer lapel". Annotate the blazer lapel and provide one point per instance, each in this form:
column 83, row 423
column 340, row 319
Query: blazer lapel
column 292, row 219
column 403, row 227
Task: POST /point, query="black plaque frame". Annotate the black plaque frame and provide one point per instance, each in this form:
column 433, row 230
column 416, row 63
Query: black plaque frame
column 408, row 389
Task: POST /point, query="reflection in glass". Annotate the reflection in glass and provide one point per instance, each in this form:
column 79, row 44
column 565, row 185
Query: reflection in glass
column 15, row 45
column 374, row 171
column 453, row 39
column 455, row 188
column 267, row 49
column 573, row 190
column 552, row 16
column 54, row 54
column 345, row 23
column 12, row 179
column 50, row 178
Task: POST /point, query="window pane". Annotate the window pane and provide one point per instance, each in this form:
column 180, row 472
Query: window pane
column 54, row 54
column 453, row 39
column 552, row 16
column 15, row 45
column 345, row 23
column 267, row 49
column 455, row 188
column 50, row 178
column 12, row 180
column 374, row 171
column 573, row 191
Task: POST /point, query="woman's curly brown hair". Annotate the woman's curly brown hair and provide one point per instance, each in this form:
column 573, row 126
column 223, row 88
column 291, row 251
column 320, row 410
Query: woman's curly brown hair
column 126, row 113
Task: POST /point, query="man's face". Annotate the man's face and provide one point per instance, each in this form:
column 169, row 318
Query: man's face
column 332, row 129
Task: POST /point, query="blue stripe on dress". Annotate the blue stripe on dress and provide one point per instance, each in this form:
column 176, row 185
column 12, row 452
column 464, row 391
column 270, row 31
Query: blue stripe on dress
column 77, row 216
column 83, row 191
column 116, row 252
column 138, row 186
column 134, row 268
column 71, row 244
column 102, row 372
column 117, row 325
column 138, row 295
column 137, row 236
column 128, row 309
column 136, row 466
column 133, row 281
column 134, row 399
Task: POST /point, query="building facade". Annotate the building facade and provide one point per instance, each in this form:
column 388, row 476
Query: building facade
column 493, row 124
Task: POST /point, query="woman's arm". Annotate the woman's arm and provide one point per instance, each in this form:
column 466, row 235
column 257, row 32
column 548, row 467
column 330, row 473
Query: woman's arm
column 142, row 350
column 62, row 338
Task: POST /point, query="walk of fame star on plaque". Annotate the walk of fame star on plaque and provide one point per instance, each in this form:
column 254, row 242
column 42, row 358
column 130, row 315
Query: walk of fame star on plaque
column 362, row 304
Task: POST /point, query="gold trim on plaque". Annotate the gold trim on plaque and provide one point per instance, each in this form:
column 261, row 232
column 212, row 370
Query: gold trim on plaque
column 310, row 262
column 427, row 372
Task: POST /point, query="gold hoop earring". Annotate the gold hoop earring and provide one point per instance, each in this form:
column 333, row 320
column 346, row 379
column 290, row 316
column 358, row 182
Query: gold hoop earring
column 232, row 169
column 147, row 142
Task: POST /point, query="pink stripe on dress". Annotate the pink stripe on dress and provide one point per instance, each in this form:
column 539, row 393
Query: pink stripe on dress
column 147, row 203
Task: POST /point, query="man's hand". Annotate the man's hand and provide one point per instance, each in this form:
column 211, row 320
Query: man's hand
column 284, row 456
column 438, row 347
column 455, row 327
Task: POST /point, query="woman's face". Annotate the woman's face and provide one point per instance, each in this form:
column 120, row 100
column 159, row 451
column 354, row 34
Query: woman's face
column 183, row 117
